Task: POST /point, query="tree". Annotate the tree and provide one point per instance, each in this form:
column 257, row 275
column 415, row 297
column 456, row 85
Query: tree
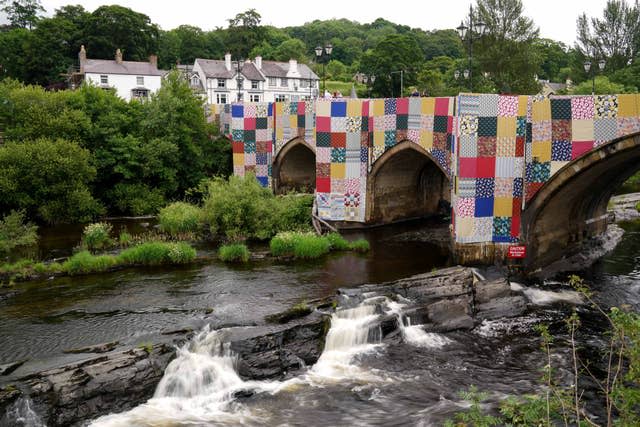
column 116, row 27
column 244, row 33
column 290, row 49
column 506, row 50
column 22, row 13
column 615, row 37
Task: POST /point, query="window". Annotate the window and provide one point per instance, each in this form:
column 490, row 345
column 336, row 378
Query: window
column 254, row 84
column 254, row 98
column 284, row 82
column 272, row 81
column 139, row 94
column 222, row 83
column 195, row 81
column 281, row 98
column 104, row 80
column 140, row 81
column 304, row 83
column 221, row 98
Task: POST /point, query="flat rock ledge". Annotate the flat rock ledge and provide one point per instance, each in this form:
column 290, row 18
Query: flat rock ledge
column 118, row 380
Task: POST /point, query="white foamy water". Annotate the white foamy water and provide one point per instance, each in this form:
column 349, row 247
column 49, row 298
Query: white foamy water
column 541, row 297
column 415, row 334
column 21, row 413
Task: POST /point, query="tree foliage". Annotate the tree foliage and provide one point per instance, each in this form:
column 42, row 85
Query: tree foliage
column 22, row 13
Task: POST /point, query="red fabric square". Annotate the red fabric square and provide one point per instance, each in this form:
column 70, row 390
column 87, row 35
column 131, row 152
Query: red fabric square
column 402, row 106
column 486, row 167
column 237, row 147
column 365, row 108
column 467, row 167
column 301, row 108
column 440, row 141
column 323, row 124
column 250, row 123
column 519, row 146
column 442, row 107
column 578, row 148
column 339, row 140
column 532, row 189
column 450, row 124
column 515, row 218
column 323, row 185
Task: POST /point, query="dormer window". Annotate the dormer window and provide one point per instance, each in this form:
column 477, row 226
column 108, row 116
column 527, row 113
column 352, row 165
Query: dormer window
column 195, row 81
column 254, row 84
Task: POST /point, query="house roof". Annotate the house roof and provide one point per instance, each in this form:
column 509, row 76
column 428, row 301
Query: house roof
column 280, row 69
column 108, row 66
column 215, row 68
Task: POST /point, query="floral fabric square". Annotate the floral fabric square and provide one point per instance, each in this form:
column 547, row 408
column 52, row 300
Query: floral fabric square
column 606, row 106
column 582, row 108
column 468, row 125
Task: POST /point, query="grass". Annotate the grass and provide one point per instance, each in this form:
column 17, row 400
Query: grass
column 311, row 246
column 97, row 236
column 235, row 252
column 156, row 253
column 179, row 218
column 344, row 87
column 84, row 262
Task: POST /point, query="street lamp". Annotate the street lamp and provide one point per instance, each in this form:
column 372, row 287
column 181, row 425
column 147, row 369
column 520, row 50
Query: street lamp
column 473, row 31
column 239, row 79
column 324, row 54
column 401, row 81
column 587, row 67
column 369, row 79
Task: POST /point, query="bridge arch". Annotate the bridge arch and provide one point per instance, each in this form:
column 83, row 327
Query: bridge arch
column 572, row 206
column 406, row 182
column 294, row 167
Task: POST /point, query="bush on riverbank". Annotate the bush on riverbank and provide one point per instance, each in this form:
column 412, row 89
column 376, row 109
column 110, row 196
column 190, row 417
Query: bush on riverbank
column 180, row 218
column 155, row 253
column 84, row 262
column 97, row 236
column 240, row 208
column 236, row 252
column 309, row 245
column 14, row 232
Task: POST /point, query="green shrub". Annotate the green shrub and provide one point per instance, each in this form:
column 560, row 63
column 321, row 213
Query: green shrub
column 97, row 236
column 14, row 232
column 360, row 245
column 236, row 252
column 124, row 239
column 85, row 262
column 40, row 268
column 282, row 244
column 638, row 206
column 310, row 246
column 180, row 217
column 135, row 199
column 338, row 243
column 155, row 253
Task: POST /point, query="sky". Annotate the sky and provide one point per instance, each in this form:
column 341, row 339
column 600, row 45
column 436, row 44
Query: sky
column 556, row 18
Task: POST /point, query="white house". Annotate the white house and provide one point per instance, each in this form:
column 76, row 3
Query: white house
column 225, row 81
column 130, row 79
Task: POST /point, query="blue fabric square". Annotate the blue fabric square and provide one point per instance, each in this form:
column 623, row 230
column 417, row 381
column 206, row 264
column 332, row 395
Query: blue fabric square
column 441, row 158
column 484, row 207
column 250, row 136
column 561, row 151
column 262, row 122
column 389, row 106
column 504, row 239
column 389, row 138
column 521, row 126
column 270, row 109
column 364, row 154
column 293, row 108
column 440, row 124
column 517, row 187
column 263, row 180
column 249, row 147
column 485, row 187
column 262, row 158
column 502, row 227
column 338, row 109
column 338, row 155
column 237, row 135
column 538, row 172
column 487, row 126
column 561, row 109
column 323, row 139
column 237, row 111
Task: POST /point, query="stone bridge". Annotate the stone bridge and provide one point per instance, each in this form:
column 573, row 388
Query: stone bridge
column 510, row 169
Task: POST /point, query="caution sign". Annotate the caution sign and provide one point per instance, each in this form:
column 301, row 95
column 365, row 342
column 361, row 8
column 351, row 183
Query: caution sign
column 517, row 251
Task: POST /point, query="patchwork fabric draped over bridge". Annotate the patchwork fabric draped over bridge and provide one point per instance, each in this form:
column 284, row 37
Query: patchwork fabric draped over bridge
column 496, row 150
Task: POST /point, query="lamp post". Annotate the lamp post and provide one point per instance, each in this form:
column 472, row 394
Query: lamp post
column 401, row 72
column 587, row 67
column 323, row 53
column 369, row 80
column 239, row 79
column 475, row 30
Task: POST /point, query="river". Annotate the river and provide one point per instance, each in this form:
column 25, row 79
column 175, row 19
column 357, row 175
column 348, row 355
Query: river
column 357, row 381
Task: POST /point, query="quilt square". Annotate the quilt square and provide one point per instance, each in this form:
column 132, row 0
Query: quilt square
column 503, row 187
column 338, row 140
column 560, row 151
column 484, row 207
column 606, row 106
column 561, row 109
column 487, row 146
column 561, row 129
column 485, row 187
column 323, row 139
column 440, row 124
column 502, row 226
column 488, row 106
column 402, row 121
column 487, row 126
column 338, row 109
column 390, row 106
column 467, row 187
column 338, row 155
column 582, row 108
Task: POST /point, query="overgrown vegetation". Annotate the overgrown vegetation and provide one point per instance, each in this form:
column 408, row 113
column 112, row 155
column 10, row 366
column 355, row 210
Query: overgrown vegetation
column 562, row 404
column 155, row 253
column 15, row 232
column 180, row 218
column 97, row 236
column 308, row 245
column 235, row 252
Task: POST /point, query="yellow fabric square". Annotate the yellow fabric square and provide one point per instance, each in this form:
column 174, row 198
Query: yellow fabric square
column 238, row 159
column 506, row 127
column 541, row 150
column 627, row 105
column 279, row 108
column 503, row 206
column 522, row 105
column 541, row 110
column 464, row 226
column 378, row 107
column 426, row 139
column 323, row 108
column 428, row 106
column 582, row 130
column 378, row 138
column 354, row 108
column 338, row 170
column 279, row 133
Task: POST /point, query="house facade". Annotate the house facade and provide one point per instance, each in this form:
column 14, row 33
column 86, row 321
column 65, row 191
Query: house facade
column 129, row 79
column 226, row 81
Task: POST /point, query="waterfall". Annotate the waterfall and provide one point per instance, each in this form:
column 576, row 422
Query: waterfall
column 21, row 414
column 415, row 334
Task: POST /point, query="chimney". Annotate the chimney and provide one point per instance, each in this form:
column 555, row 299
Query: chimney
column 227, row 61
column 259, row 62
column 118, row 56
column 82, row 56
column 153, row 60
column 293, row 66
